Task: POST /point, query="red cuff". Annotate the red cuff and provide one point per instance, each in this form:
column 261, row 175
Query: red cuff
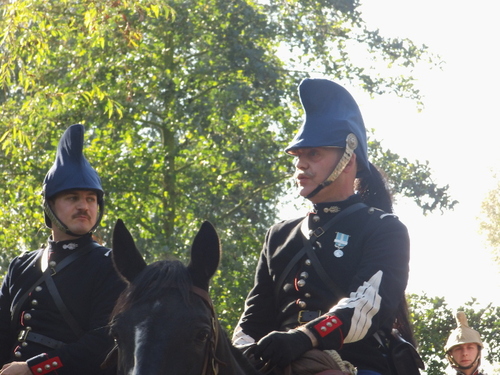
column 46, row 366
column 327, row 325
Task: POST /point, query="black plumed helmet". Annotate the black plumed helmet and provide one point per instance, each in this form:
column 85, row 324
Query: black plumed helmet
column 70, row 171
column 331, row 114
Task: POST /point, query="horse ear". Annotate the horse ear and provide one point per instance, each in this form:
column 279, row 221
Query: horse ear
column 205, row 255
column 126, row 257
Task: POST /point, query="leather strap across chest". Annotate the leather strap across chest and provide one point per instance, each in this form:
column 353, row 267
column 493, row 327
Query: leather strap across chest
column 47, row 278
column 307, row 249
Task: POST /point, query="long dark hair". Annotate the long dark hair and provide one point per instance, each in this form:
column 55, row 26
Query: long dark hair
column 403, row 324
column 375, row 189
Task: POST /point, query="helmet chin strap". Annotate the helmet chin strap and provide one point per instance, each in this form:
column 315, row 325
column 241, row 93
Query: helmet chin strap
column 351, row 144
column 476, row 362
column 58, row 223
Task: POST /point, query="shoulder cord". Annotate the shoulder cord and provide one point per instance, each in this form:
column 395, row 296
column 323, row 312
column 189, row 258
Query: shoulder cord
column 307, row 249
column 47, row 277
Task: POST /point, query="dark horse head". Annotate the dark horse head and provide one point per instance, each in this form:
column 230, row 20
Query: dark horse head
column 164, row 322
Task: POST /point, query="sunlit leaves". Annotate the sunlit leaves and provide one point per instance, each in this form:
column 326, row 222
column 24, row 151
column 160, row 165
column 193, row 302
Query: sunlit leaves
column 412, row 179
column 15, row 134
column 490, row 224
column 187, row 107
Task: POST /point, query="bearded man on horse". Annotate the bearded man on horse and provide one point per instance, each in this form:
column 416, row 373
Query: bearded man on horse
column 336, row 279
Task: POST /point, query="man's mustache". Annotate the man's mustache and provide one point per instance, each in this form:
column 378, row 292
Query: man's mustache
column 303, row 174
column 81, row 213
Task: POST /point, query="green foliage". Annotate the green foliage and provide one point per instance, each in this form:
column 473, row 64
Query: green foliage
column 412, row 179
column 490, row 223
column 187, row 105
column 433, row 322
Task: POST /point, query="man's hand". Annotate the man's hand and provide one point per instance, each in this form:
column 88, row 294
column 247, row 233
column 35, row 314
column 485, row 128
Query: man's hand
column 282, row 348
column 16, row 368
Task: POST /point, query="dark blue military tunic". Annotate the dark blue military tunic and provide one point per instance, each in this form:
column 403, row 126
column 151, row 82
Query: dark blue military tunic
column 371, row 268
column 88, row 286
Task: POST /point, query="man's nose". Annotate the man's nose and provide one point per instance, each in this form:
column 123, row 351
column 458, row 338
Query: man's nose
column 300, row 163
column 82, row 204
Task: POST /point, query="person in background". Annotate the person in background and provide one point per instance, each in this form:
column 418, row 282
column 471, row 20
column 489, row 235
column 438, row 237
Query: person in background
column 55, row 302
column 336, row 278
column 463, row 348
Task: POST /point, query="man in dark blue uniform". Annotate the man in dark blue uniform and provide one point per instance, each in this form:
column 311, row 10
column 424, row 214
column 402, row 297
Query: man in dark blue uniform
column 336, row 279
column 55, row 302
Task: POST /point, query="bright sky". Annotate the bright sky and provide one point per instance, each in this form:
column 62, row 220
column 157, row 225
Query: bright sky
column 457, row 132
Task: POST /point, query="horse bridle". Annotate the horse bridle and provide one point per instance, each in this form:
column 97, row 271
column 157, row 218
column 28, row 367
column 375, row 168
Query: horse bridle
column 210, row 363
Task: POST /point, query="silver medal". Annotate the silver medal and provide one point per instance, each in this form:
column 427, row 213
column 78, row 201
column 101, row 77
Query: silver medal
column 340, row 242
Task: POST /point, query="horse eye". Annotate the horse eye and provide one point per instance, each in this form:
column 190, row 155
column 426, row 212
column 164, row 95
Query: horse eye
column 203, row 335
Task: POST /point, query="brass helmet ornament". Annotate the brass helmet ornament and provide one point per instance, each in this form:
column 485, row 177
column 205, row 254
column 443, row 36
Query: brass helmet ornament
column 70, row 171
column 463, row 334
column 332, row 119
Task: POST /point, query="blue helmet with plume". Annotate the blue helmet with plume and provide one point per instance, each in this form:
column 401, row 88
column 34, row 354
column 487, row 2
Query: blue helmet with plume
column 332, row 119
column 331, row 114
column 70, row 171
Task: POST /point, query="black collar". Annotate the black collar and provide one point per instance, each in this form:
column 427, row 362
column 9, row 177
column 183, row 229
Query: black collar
column 69, row 245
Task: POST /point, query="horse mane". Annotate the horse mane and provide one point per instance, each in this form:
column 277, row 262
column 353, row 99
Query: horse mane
column 153, row 283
